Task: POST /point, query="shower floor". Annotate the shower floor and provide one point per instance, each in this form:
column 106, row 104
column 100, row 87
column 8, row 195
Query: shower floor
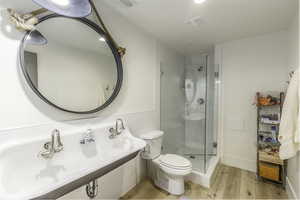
column 198, row 162
column 196, row 158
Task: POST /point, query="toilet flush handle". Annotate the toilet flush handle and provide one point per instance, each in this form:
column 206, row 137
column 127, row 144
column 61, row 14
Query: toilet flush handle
column 147, row 148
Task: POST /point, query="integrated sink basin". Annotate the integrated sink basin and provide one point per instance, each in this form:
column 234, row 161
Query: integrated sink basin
column 27, row 175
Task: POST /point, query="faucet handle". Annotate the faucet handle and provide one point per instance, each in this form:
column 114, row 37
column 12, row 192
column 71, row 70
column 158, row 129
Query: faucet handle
column 59, row 147
column 119, row 129
column 55, row 132
column 122, row 123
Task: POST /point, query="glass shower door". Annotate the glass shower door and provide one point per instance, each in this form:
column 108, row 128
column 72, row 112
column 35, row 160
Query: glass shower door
column 172, row 107
column 212, row 114
column 195, row 115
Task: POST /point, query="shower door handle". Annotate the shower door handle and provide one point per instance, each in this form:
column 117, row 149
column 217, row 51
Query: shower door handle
column 200, row 101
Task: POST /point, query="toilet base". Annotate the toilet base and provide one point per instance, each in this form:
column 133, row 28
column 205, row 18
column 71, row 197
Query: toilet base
column 170, row 183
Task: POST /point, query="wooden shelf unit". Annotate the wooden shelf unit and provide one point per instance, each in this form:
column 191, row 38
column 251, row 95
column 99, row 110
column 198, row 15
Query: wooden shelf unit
column 269, row 165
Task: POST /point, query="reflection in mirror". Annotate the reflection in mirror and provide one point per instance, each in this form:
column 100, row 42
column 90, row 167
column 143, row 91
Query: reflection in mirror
column 36, row 38
column 76, row 70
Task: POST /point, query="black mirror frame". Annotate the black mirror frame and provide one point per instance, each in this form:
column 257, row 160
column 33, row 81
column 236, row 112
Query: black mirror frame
column 110, row 43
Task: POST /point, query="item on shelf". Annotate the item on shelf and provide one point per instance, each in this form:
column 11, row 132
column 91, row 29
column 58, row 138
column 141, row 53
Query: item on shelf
column 270, row 157
column 270, row 119
column 270, row 140
column 269, row 171
column 263, row 145
column 271, row 116
column 265, row 132
column 274, row 132
column 275, row 150
column 268, row 149
column 267, row 101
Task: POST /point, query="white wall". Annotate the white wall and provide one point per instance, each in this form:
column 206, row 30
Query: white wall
column 293, row 60
column 137, row 103
column 248, row 66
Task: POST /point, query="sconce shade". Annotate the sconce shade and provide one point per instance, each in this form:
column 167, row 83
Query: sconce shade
column 69, row 8
column 36, row 38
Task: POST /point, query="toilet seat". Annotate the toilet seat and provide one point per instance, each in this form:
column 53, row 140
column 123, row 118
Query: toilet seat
column 175, row 162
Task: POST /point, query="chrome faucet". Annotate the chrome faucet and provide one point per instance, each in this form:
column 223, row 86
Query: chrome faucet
column 118, row 129
column 88, row 137
column 52, row 147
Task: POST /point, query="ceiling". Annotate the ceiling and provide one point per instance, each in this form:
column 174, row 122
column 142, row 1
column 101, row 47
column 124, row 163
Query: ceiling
column 214, row 21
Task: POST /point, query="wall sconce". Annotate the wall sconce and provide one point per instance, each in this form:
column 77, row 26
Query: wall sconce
column 68, row 8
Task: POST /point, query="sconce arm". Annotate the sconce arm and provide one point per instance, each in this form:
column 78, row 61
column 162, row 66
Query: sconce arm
column 121, row 50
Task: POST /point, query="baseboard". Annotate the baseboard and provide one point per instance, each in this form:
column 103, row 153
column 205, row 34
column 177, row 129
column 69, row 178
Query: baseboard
column 290, row 190
column 213, row 177
column 249, row 165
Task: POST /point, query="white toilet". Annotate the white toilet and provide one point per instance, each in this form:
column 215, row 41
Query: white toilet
column 168, row 170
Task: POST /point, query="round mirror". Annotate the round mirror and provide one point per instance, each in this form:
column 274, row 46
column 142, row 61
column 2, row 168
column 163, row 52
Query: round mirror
column 71, row 64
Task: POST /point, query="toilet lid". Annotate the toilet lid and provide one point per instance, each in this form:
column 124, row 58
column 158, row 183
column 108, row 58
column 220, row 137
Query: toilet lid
column 175, row 161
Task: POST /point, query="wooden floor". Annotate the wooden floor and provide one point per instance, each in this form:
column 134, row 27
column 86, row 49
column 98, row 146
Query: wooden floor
column 229, row 183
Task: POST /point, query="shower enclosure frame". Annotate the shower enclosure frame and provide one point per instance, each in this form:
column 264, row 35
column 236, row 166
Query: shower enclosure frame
column 206, row 154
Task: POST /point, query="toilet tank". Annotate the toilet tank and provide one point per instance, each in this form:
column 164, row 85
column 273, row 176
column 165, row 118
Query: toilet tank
column 154, row 144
